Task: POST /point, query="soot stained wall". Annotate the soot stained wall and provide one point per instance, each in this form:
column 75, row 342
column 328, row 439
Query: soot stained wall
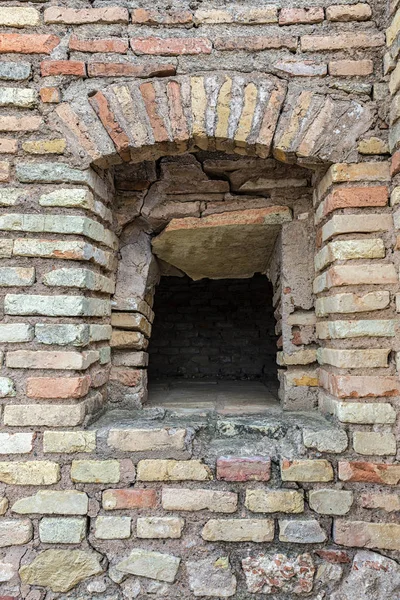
column 213, row 329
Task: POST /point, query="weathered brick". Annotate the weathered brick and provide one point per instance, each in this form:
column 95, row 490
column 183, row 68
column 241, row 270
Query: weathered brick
column 62, row 334
column 113, row 528
column 171, row 46
column 353, row 359
column 330, row 502
column 66, row 415
column 62, row 530
column 254, row 468
column 350, row 12
column 353, row 386
column 72, row 16
column 268, row 573
column 17, row 276
column 367, row 535
column 351, row 68
column 294, row 16
column 69, row 441
column 316, row 43
column 352, row 303
column 15, row 532
column 27, row 44
column 7, row 387
column 4, row 171
column 373, row 145
column 348, row 250
column 129, row 499
column 8, row 146
column 199, row 499
column 16, row 443
column 49, row 95
column 340, row 224
column 18, row 97
column 18, row 16
column 348, row 173
column 387, row 502
column 57, row 387
column 352, row 197
column 341, row 275
column 109, row 45
column 325, row 440
column 134, row 321
column 358, row 412
column 142, row 16
column 297, row 68
column 256, row 43
column 54, row 306
column 14, row 71
column 79, row 278
column 374, row 443
column 62, row 67
column 239, row 530
column 34, row 472
column 95, row 471
column 159, row 527
column 306, row 470
column 287, row 501
column 62, row 250
column 354, row 329
column 101, row 69
column 31, row 123
column 16, row 332
column 31, row 359
column 142, row 440
column 382, row 473
column 301, row 532
column 172, row 470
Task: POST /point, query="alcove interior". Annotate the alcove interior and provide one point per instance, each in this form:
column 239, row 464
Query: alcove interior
column 213, row 344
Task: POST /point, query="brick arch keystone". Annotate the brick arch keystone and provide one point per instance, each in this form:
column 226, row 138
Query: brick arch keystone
column 249, row 114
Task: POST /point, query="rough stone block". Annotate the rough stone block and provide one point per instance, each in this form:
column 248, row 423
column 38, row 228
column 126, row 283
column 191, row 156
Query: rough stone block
column 113, row 528
column 326, row 440
column 95, row 471
column 34, row 472
column 69, row 441
column 15, row 532
column 374, row 443
column 143, row 440
column 62, row 530
column 306, row 470
column 172, row 470
column 7, row 387
column 254, row 468
column 239, row 530
column 15, row 71
column 52, row 502
column 212, row 577
column 159, row 527
column 301, row 532
column 330, row 502
column 271, row 501
column 153, row 565
column 194, row 500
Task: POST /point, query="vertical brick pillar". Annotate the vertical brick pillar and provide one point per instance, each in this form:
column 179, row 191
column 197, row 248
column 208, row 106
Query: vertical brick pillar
column 60, row 255
column 355, row 285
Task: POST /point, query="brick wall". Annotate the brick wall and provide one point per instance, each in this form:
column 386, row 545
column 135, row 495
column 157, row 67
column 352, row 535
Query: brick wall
column 163, row 507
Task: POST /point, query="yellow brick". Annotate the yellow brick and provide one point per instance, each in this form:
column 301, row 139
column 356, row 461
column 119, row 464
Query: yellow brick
column 44, row 146
column 224, row 109
column 246, row 119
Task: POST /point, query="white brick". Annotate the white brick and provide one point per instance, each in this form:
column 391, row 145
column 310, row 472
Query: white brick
column 340, row 224
column 348, row 250
column 113, row 528
column 11, row 196
column 79, row 278
column 159, row 527
column 352, row 303
column 16, row 443
column 353, row 329
column 16, row 332
column 353, row 359
column 374, row 443
column 56, row 306
column 53, row 502
column 358, row 412
column 62, row 530
column 18, row 97
column 37, row 359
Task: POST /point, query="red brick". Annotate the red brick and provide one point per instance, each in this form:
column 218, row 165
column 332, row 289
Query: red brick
column 255, row 468
column 334, row 556
column 395, row 164
column 354, row 386
column 344, row 41
column 129, row 70
column 171, row 46
column 291, row 16
column 72, row 16
column 128, row 377
column 156, row 121
column 130, row 498
column 349, row 12
column 117, row 45
column 141, row 16
column 388, row 474
column 355, row 197
column 100, row 105
column 50, row 94
column 255, row 43
column 62, row 67
column 347, row 68
column 28, row 44
column 57, row 387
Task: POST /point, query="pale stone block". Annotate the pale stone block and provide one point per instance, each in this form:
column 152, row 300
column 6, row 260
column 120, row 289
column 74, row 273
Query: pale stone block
column 34, row 472
column 26, row 415
column 16, row 443
column 142, row 440
column 194, row 500
column 374, row 443
column 159, row 527
column 15, row 532
column 172, row 470
column 153, row 565
column 16, row 332
column 95, row 471
column 387, row 502
column 352, row 303
column 261, row 501
column 7, row 387
column 239, row 530
column 349, row 250
column 340, row 224
column 17, row 276
column 69, row 441
column 62, row 530
column 352, row 329
column 301, row 532
column 353, row 359
column 55, row 306
column 113, row 528
column 51, row 502
column 18, row 97
column 330, row 502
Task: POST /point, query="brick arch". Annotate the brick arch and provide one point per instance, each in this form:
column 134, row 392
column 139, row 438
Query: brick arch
column 250, row 114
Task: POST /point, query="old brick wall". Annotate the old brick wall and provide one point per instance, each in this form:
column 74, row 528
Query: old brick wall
column 148, row 504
